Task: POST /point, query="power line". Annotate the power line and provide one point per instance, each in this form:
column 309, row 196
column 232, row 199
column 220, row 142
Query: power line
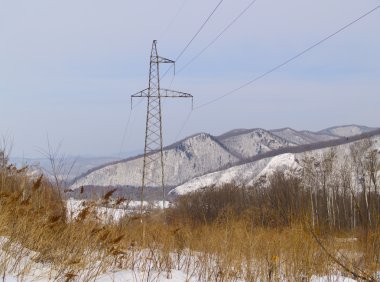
column 174, row 18
column 183, row 125
column 195, row 36
column 287, row 61
column 275, row 68
column 181, row 53
column 219, row 35
column 126, row 127
column 199, row 31
column 189, row 43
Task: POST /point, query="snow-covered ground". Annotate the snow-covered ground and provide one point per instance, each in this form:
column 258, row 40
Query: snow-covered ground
column 19, row 264
column 332, row 278
column 175, row 276
column 109, row 213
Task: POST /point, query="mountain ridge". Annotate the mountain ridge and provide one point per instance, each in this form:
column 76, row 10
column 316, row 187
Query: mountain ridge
column 257, row 171
column 215, row 153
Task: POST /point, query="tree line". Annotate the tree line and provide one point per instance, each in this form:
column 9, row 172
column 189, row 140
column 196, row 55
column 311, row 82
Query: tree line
column 331, row 194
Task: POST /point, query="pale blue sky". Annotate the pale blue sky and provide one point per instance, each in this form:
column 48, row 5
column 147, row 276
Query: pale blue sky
column 67, row 69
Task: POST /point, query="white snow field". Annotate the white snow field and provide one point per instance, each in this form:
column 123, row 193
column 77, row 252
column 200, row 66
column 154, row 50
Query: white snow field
column 19, row 264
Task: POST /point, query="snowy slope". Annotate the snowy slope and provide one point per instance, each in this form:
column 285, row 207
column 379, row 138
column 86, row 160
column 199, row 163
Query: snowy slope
column 192, row 157
column 242, row 175
column 301, row 137
column 347, row 130
column 318, row 136
column 258, row 172
column 239, row 175
column 253, row 142
column 287, row 163
column 202, row 154
column 22, row 264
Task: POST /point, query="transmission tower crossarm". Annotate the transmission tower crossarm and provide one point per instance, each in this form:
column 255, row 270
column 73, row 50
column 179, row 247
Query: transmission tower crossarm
column 140, row 94
column 162, row 60
column 164, row 93
column 167, row 93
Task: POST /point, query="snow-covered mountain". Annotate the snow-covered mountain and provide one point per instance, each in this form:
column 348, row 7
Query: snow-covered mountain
column 241, row 175
column 249, row 143
column 258, row 172
column 185, row 160
column 347, row 130
column 302, row 137
column 201, row 154
column 308, row 137
column 192, row 157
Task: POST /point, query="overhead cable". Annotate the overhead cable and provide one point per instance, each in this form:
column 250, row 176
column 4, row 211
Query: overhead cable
column 288, row 60
column 195, row 36
column 218, row 36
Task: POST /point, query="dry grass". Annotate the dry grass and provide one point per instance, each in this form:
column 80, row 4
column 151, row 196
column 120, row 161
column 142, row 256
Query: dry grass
column 33, row 218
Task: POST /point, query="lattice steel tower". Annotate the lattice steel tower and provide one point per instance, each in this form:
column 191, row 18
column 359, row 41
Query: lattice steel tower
column 153, row 150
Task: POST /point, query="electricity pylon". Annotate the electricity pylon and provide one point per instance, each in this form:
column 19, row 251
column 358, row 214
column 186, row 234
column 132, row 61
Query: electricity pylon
column 153, row 150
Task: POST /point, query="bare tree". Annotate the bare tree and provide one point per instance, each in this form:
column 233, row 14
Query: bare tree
column 365, row 166
column 59, row 169
column 6, row 145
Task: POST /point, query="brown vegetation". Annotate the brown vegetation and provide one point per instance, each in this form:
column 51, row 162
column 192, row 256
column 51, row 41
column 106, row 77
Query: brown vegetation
column 292, row 229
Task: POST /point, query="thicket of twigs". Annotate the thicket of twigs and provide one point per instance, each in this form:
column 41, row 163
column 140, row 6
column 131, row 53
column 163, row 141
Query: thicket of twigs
column 325, row 223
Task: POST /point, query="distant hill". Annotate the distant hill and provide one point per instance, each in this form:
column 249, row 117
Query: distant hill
column 258, row 171
column 347, row 130
column 203, row 154
column 303, row 137
column 187, row 159
column 249, row 143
